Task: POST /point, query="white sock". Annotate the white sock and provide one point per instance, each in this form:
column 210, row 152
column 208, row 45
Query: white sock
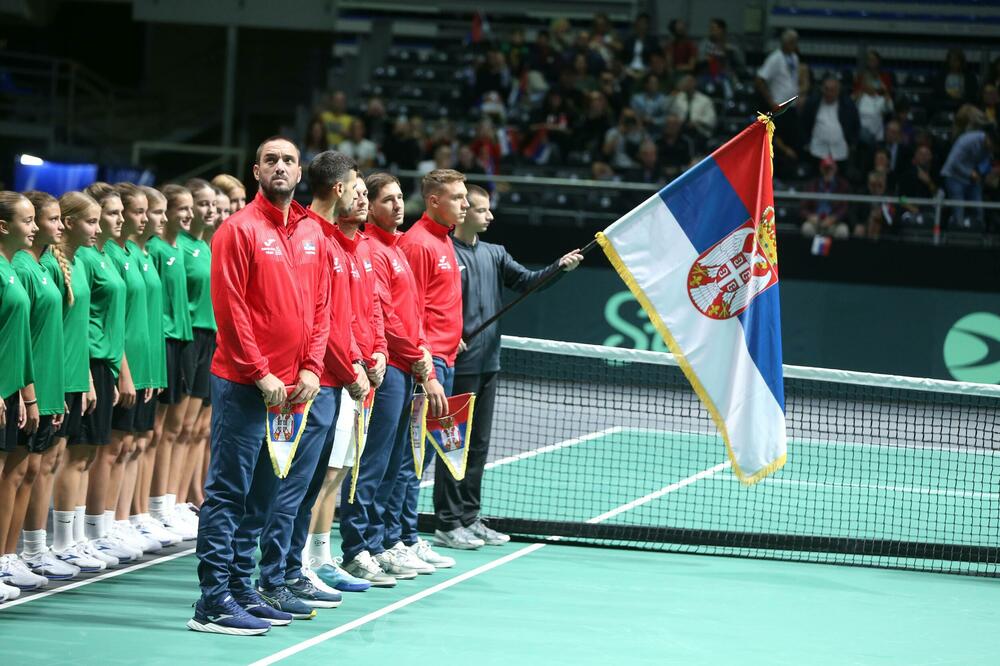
column 158, row 506
column 171, row 502
column 78, row 531
column 63, row 521
column 92, row 526
column 34, row 541
column 135, row 518
column 318, row 549
column 109, row 520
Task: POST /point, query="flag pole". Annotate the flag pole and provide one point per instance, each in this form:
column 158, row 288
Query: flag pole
column 784, row 106
column 538, row 284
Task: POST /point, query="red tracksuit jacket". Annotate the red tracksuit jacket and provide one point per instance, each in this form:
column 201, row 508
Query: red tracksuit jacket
column 368, row 329
column 271, row 294
column 404, row 332
column 439, row 285
column 341, row 349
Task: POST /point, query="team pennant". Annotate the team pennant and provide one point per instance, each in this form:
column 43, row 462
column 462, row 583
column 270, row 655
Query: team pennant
column 362, row 417
column 285, row 424
column 449, row 434
column 418, row 430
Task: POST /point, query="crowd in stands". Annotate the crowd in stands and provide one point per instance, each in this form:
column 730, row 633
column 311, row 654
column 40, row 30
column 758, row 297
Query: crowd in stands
column 640, row 107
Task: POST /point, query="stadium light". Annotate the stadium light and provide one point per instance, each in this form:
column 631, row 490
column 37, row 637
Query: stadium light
column 31, row 160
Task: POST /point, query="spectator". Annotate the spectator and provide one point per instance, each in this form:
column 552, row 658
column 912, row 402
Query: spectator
column 596, row 61
column 561, row 35
column 610, row 87
column 778, row 81
column 486, row 147
column 874, row 103
column 991, row 102
column 444, row 158
column 880, row 163
column 336, row 118
column 651, row 105
column 830, row 120
column 517, row 52
column 467, row 162
column 659, row 68
column 676, row 150
column 873, row 77
column 956, row 84
column 825, row 217
column 639, row 46
column 968, row 117
column 916, row 182
column 602, row 171
column 492, row 75
column 649, row 169
column 583, row 81
column 604, row 40
column 596, row 122
column 874, row 219
column 543, row 57
column 401, row 149
column 315, row 142
column 718, row 58
column 695, row 109
column 376, row 120
column 550, row 130
column 682, row 52
column 621, row 143
column 894, row 144
column 362, row 150
column 969, row 160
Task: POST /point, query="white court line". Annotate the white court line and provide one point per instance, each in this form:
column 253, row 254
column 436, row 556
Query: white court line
column 542, row 449
column 402, row 603
column 916, row 490
column 105, row 576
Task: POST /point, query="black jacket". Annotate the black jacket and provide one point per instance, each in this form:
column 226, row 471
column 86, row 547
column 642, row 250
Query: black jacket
column 847, row 113
column 486, row 268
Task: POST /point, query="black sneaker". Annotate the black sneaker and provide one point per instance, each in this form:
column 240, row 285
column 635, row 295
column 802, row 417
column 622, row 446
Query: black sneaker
column 254, row 604
column 285, row 601
column 304, row 589
column 226, row 618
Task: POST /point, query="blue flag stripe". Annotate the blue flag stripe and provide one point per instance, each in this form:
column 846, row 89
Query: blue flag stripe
column 762, row 331
column 704, row 204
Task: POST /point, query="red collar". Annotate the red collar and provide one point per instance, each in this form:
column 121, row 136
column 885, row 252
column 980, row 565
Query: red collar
column 349, row 244
column 389, row 238
column 428, row 223
column 273, row 214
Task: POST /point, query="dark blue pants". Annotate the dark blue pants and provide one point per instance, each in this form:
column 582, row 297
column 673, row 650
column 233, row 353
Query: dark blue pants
column 400, row 516
column 361, row 522
column 273, row 503
column 238, row 430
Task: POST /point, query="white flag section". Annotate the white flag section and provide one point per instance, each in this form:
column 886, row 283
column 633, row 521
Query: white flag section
column 700, row 257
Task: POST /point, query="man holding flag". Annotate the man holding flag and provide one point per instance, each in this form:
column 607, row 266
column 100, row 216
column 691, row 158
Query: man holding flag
column 485, row 270
column 700, row 257
column 269, row 267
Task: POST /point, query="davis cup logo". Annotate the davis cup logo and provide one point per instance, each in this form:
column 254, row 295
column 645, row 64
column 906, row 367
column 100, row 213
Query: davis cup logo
column 725, row 279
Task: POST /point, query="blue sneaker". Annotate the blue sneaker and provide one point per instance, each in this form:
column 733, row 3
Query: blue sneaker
column 304, row 589
column 260, row 609
column 226, row 618
column 285, row 600
column 339, row 579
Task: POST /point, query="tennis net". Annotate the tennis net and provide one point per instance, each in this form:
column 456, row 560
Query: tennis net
column 609, row 446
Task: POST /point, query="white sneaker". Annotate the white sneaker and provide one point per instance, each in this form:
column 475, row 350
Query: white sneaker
column 151, row 527
column 105, row 550
column 422, row 551
column 48, row 565
column 192, row 513
column 315, row 580
column 13, row 571
column 176, row 524
column 77, row 557
column 8, row 592
column 117, row 535
column 395, row 566
column 410, row 560
column 145, row 543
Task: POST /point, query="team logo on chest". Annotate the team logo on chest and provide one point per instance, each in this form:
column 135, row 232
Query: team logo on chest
column 125, row 266
column 368, row 266
column 443, row 263
column 195, row 253
column 396, row 266
column 725, row 279
column 354, row 271
column 337, row 268
column 170, row 261
column 271, row 248
column 309, row 247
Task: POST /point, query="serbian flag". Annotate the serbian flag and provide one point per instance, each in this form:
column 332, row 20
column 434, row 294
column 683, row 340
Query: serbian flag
column 418, row 430
column 449, row 434
column 285, row 424
column 362, row 418
column 701, row 258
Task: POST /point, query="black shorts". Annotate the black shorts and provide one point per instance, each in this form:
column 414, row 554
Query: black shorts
column 196, row 361
column 177, row 386
column 42, row 439
column 73, row 422
column 8, row 434
column 138, row 418
column 95, row 428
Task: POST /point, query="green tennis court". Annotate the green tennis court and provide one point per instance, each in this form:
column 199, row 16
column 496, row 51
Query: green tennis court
column 558, row 604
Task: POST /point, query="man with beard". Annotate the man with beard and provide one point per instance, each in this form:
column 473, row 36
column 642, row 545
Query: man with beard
column 485, row 270
column 270, row 293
